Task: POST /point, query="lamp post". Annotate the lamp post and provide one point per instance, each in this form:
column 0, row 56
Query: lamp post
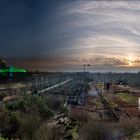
column 84, row 68
column 85, row 65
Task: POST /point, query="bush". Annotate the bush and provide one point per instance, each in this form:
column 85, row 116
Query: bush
column 45, row 112
column 63, row 109
column 130, row 127
column 96, row 131
column 9, row 124
column 29, row 124
column 47, row 133
column 27, row 102
column 2, row 138
column 54, row 102
column 79, row 115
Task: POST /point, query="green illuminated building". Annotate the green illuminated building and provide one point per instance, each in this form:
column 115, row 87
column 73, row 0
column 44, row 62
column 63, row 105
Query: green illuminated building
column 4, row 69
column 11, row 69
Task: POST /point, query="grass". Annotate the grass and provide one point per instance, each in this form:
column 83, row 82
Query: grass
column 127, row 97
column 136, row 136
column 2, row 138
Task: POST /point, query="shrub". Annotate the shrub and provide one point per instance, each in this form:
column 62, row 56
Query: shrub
column 45, row 132
column 79, row 115
column 54, row 102
column 130, row 127
column 9, row 124
column 63, row 109
column 96, row 131
column 27, row 102
column 29, row 124
column 2, row 138
column 45, row 112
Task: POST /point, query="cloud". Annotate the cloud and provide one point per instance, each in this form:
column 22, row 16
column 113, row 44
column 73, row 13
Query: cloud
column 104, row 25
column 66, row 63
column 71, row 33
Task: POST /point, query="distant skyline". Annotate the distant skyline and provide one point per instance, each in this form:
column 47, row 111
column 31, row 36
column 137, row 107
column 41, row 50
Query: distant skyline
column 63, row 35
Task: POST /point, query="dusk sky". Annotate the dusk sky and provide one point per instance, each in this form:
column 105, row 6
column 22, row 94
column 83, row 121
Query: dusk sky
column 63, row 35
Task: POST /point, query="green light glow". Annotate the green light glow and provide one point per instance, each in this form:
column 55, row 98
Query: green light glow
column 11, row 69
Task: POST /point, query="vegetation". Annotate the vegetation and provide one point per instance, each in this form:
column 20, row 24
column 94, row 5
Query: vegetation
column 80, row 116
column 2, row 138
column 32, row 117
column 130, row 127
column 96, row 131
column 127, row 97
column 23, row 117
column 127, row 129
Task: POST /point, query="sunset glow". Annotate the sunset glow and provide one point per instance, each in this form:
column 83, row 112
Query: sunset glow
column 130, row 60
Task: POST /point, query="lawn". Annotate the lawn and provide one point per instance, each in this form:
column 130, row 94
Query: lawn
column 127, row 97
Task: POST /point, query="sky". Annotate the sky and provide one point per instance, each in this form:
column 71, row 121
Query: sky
column 64, row 35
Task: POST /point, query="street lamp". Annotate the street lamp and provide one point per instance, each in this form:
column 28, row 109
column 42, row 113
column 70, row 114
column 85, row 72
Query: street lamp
column 86, row 65
column 84, row 74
